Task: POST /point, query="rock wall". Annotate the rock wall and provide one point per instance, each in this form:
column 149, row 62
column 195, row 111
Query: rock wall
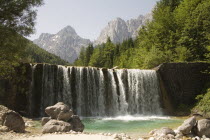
column 180, row 83
column 14, row 92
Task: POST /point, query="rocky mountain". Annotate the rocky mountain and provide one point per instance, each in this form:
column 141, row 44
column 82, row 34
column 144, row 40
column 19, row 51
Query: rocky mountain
column 119, row 30
column 66, row 43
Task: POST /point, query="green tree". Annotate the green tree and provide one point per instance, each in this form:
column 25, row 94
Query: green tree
column 17, row 18
column 81, row 60
column 88, row 54
column 193, row 30
column 97, row 59
column 19, row 15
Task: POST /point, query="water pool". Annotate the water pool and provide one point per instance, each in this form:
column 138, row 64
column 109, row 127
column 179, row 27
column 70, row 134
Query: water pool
column 133, row 126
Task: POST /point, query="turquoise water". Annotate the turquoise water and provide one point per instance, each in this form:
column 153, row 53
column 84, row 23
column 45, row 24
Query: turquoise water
column 129, row 125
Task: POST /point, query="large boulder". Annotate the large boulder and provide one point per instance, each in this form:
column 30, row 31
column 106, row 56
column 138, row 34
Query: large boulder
column 59, row 111
column 203, row 128
column 76, row 123
column 56, row 126
column 11, row 119
column 187, row 126
column 45, row 120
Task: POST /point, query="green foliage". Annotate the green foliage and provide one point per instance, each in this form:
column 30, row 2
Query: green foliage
column 193, row 22
column 85, row 55
column 11, row 46
column 35, row 54
column 203, row 103
column 16, row 18
column 19, row 15
column 108, row 55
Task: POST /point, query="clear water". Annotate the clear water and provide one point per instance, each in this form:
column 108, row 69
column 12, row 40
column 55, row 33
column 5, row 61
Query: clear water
column 133, row 126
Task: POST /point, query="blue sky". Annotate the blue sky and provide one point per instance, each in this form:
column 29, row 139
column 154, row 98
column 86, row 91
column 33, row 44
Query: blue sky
column 87, row 17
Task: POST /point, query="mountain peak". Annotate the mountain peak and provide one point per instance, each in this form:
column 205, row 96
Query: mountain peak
column 66, row 43
column 67, row 30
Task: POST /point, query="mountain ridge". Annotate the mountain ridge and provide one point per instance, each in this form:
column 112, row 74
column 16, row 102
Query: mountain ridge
column 67, row 43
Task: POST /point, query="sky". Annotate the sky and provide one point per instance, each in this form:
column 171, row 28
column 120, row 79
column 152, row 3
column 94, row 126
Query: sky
column 87, row 17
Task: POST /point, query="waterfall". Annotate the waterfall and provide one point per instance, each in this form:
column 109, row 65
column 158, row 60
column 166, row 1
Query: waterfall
column 95, row 91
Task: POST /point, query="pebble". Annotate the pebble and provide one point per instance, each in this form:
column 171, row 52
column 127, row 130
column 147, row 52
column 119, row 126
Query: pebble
column 152, row 132
column 115, row 136
column 204, row 136
column 74, row 132
column 109, row 134
column 196, row 138
column 151, row 138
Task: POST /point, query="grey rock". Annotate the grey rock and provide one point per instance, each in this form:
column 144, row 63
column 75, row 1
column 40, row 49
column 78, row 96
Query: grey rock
column 187, row 126
column 56, row 126
column 3, row 110
column 116, row 29
column 59, row 111
column 66, row 43
column 152, row 132
column 13, row 121
column 203, row 128
column 179, row 136
column 119, row 30
column 151, row 138
column 45, row 120
column 170, row 136
column 76, row 123
column 164, row 131
column 65, row 116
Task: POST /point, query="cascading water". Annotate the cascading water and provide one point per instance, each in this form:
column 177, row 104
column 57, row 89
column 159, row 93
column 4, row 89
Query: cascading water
column 95, row 91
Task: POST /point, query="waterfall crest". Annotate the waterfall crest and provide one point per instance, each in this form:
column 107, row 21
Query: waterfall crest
column 95, row 91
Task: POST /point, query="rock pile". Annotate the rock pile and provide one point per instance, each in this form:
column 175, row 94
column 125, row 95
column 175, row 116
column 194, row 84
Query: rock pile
column 11, row 120
column 61, row 119
column 192, row 128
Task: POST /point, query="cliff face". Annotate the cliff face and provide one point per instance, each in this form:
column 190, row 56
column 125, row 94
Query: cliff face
column 66, row 43
column 120, row 30
column 181, row 82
